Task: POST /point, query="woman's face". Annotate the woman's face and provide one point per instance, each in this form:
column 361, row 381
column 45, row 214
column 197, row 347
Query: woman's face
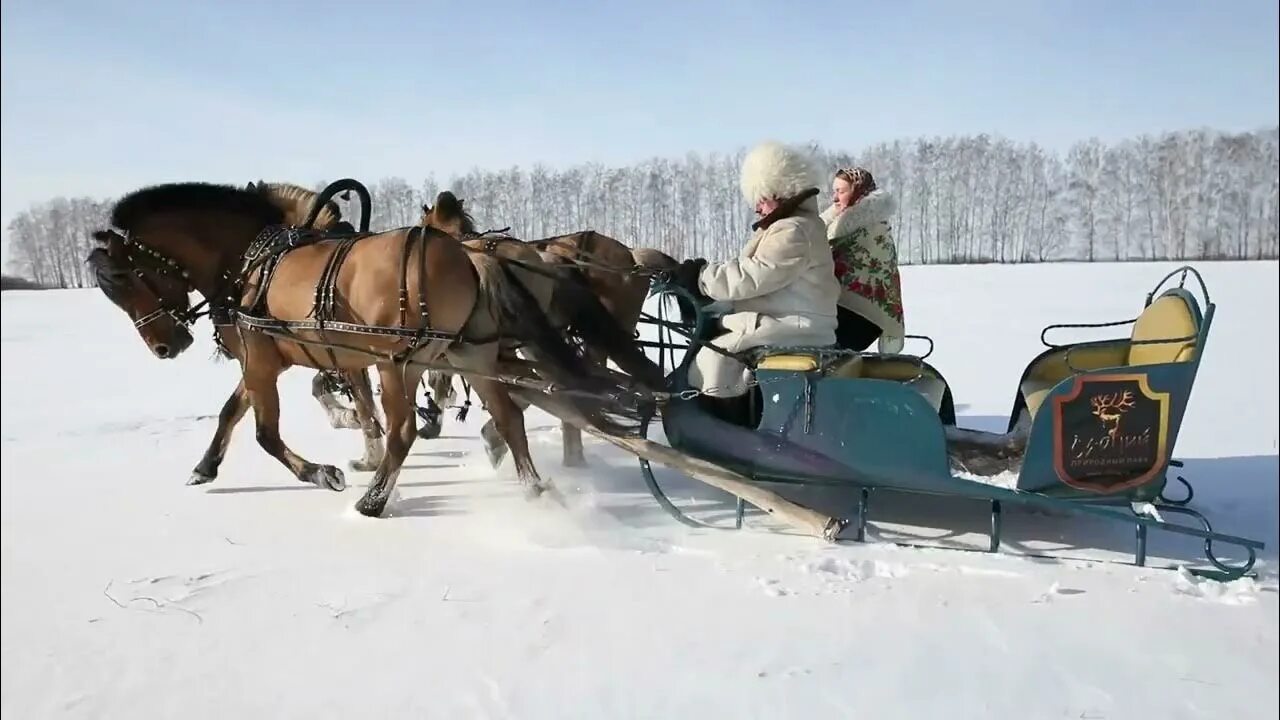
column 842, row 192
column 765, row 206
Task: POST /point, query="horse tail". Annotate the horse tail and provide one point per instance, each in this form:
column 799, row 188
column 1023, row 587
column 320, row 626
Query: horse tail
column 520, row 317
column 590, row 320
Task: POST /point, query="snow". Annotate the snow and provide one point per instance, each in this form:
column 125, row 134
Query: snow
column 128, row 594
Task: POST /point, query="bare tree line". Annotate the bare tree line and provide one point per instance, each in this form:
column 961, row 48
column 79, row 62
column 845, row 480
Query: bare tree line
column 1190, row 195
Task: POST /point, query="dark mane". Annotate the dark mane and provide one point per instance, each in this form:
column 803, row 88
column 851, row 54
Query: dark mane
column 192, row 196
column 468, row 222
column 448, row 207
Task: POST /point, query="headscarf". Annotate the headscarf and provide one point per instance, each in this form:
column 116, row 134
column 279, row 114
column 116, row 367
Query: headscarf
column 860, row 182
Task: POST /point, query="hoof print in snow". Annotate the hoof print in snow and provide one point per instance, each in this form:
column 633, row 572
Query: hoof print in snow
column 1055, row 589
column 772, row 588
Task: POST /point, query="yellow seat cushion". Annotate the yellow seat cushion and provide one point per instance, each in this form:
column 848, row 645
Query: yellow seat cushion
column 1168, row 319
column 912, row 373
column 893, row 368
column 1058, row 366
column 793, row 363
column 1035, row 391
column 849, row 369
column 906, row 371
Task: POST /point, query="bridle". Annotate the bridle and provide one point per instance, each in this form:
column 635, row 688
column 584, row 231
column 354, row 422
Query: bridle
column 139, row 257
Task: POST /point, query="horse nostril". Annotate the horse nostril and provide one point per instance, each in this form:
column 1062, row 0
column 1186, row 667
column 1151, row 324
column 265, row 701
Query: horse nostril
column 162, row 350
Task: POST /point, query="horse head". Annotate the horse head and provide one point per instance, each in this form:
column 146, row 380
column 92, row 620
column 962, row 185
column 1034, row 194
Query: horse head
column 148, row 288
column 448, row 215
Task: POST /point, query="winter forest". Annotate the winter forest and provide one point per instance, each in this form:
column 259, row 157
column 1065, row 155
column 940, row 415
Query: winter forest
column 1192, row 195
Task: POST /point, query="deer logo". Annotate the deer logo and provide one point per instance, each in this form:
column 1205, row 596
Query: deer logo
column 1110, row 408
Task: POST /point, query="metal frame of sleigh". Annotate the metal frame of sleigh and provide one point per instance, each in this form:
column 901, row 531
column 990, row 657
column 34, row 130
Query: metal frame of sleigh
column 1092, row 429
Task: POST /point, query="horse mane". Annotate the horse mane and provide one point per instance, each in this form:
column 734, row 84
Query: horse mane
column 468, row 222
column 449, row 207
column 137, row 206
column 296, row 202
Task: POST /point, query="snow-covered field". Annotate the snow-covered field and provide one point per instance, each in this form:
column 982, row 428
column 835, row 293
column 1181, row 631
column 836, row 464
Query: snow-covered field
column 127, row 594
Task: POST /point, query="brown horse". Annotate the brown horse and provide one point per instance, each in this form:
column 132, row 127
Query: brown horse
column 605, row 264
column 280, row 298
column 543, row 274
column 614, row 273
column 297, row 203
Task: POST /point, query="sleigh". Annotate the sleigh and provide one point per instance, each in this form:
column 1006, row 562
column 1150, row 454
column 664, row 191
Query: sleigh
column 1091, row 432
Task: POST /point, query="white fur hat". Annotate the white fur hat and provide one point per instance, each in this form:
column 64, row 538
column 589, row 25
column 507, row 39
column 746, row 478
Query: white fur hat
column 773, row 170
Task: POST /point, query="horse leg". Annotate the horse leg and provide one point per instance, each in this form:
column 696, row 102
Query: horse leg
column 571, row 439
column 439, row 390
column 233, row 410
column 432, row 419
column 397, row 404
column 369, row 426
column 495, row 447
column 508, row 419
column 264, row 395
column 339, row 416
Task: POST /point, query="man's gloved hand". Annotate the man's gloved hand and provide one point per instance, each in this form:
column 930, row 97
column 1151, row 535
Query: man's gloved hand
column 686, row 274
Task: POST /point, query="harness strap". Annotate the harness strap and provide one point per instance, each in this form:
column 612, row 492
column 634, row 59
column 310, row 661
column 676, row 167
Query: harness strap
column 422, row 280
column 404, row 276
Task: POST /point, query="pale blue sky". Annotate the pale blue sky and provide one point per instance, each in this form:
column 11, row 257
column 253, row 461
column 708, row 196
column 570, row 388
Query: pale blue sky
column 102, row 97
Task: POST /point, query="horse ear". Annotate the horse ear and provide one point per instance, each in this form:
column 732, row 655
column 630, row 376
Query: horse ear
column 104, row 237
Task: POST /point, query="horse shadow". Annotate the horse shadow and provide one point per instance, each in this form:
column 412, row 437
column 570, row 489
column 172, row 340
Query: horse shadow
column 250, row 489
column 421, row 506
column 428, row 466
column 440, row 453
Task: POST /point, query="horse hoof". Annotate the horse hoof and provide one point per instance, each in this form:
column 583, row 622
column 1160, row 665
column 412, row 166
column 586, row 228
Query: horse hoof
column 325, row 476
column 547, row 490
column 430, row 430
column 199, row 478
column 532, row 491
column 362, row 466
column 370, row 508
column 495, row 455
column 833, row 529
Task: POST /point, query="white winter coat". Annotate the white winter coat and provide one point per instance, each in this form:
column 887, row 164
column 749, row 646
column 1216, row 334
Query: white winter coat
column 782, row 290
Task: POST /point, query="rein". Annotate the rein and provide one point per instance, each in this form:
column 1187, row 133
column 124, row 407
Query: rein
column 492, row 237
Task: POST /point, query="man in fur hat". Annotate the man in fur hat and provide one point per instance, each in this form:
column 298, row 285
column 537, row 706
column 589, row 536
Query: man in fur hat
column 782, row 289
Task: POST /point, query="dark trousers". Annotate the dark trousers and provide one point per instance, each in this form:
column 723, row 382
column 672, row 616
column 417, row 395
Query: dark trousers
column 855, row 332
